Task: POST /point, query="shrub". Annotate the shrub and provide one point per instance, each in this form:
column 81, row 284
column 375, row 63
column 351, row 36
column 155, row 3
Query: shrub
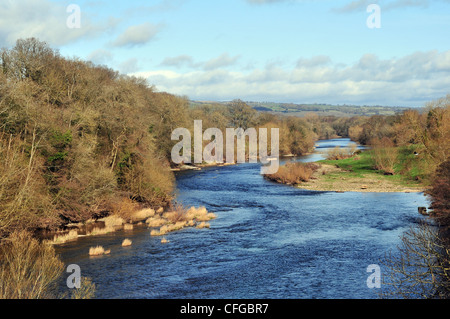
column 31, row 270
column 385, row 155
column 420, row 266
column 28, row 270
column 339, row 153
column 23, row 198
column 86, row 291
column 293, row 173
column 123, row 208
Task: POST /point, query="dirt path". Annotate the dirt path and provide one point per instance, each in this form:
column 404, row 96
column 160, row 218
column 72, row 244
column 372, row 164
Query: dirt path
column 337, row 179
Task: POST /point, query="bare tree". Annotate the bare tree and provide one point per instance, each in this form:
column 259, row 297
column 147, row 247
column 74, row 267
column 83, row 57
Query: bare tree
column 420, row 268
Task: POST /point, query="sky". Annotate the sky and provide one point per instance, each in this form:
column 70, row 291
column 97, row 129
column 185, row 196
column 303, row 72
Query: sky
column 299, row 51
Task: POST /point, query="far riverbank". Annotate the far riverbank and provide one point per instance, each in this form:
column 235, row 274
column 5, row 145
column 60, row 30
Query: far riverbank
column 354, row 173
column 332, row 178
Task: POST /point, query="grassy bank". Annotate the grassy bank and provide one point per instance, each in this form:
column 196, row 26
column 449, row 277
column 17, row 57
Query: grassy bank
column 359, row 173
column 408, row 168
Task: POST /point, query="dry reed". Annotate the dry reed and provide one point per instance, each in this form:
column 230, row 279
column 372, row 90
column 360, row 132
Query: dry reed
column 64, row 238
column 128, row 227
column 143, row 214
column 101, row 231
column 98, row 251
column 156, row 222
column 113, row 221
column 126, row 242
column 203, row 225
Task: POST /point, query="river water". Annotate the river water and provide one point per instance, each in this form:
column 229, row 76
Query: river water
column 268, row 241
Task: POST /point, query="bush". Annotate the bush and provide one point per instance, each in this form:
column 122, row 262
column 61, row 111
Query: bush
column 86, row 291
column 293, row 173
column 28, row 270
column 385, row 155
column 23, row 198
column 31, row 270
column 420, row 267
column 339, row 153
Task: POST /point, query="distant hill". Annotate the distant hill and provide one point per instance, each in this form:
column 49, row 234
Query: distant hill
column 326, row 109
column 320, row 109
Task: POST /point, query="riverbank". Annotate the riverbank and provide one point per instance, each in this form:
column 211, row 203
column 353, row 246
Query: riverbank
column 198, row 167
column 157, row 221
column 331, row 178
column 355, row 173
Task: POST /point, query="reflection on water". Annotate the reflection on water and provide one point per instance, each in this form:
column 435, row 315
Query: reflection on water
column 269, row 241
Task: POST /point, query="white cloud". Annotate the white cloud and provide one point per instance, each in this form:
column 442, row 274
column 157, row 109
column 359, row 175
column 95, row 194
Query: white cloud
column 137, row 35
column 179, row 61
column 44, row 20
column 314, row 61
column 410, row 81
column 222, row 61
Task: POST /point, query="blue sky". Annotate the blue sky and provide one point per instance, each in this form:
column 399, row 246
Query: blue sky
column 301, row 51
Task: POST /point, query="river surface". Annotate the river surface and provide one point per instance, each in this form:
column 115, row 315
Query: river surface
column 268, row 241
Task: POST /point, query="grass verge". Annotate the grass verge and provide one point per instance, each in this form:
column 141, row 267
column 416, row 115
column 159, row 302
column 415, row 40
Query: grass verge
column 408, row 169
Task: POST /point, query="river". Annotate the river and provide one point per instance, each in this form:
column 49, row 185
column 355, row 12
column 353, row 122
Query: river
column 268, row 241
